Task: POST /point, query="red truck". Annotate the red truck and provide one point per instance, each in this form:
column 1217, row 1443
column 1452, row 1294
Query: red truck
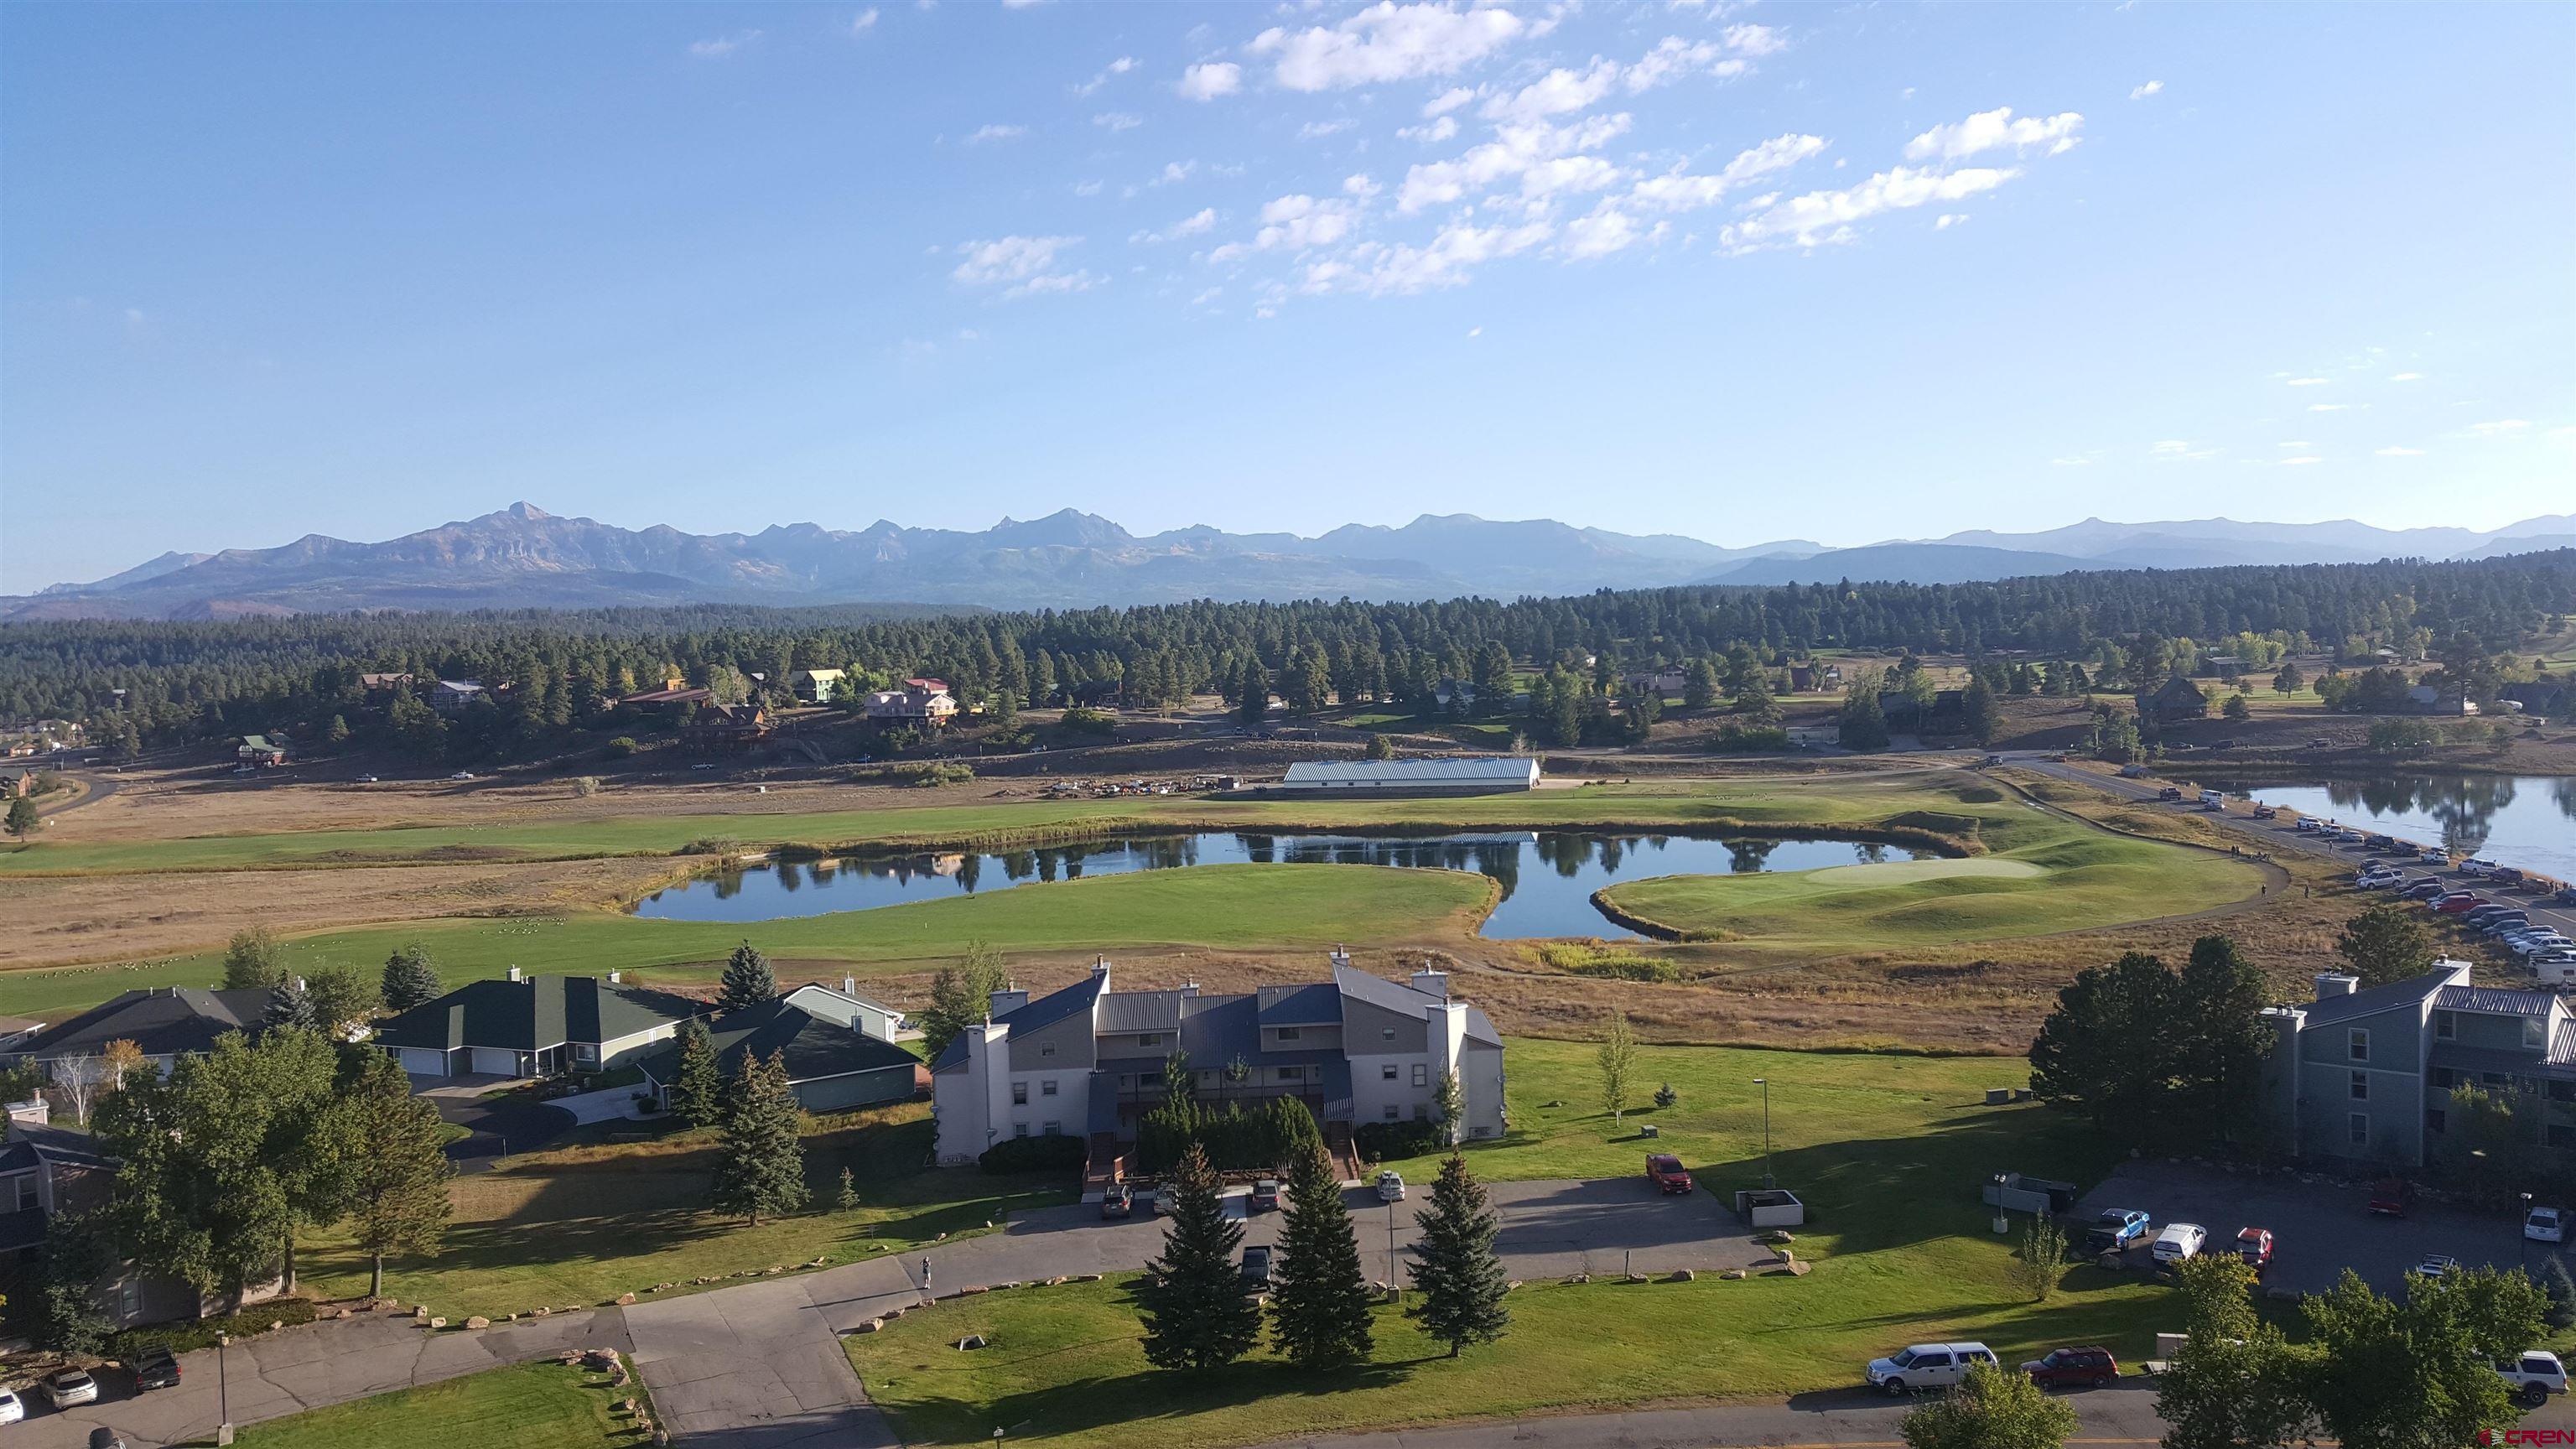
column 1665, row 1171
column 2392, row 1196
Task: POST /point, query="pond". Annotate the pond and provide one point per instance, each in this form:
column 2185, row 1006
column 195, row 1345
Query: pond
column 2523, row 821
column 1548, row 877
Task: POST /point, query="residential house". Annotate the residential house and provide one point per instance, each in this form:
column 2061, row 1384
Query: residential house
column 832, row 1066
column 2544, row 699
column 674, row 697
column 1454, row 694
column 721, row 727
column 1089, row 1060
column 2426, row 699
column 455, row 696
column 1802, row 678
column 375, row 684
column 47, row 1170
column 2174, row 700
column 2363, row 1079
column 814, row 686
column 1661, row 683
column 260, row 752
column 846, row 1007
column 21, row 786
column 1412, row 777
column 1098, row 693
column 524, row 1025
column 920, row 701
column 166, row 1022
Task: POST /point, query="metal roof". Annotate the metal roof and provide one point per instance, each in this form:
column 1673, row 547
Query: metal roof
column 2500, row 1000
column 163, row 1021
column 534, row 1013
column 2415, row 989
column 1378, row 771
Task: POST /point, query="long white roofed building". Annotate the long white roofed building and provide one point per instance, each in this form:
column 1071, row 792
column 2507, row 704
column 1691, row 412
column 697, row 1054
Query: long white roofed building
column 1486, row 776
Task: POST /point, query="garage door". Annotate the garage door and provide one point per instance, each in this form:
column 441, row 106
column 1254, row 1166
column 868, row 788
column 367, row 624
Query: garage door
column 496, row 1059
column 423, row 1061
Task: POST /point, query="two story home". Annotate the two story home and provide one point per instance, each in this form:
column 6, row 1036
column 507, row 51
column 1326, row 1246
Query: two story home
column 1089, row 1060
column 532, row 1026
column 2364, row 1078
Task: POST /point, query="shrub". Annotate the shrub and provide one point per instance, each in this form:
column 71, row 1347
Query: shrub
column 619, row 748
column 1035, row 1154
column 1665, row 1096
column 585, row 786
column 1089, row 721
column 1393, row 1141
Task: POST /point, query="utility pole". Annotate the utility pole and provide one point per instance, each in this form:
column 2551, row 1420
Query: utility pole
column 1767, row 1180
column 223, row 1392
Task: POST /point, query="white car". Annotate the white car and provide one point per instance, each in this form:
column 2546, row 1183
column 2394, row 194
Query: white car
column 462, row 775
column 2179, row 1241
column 2437, row 1265
column 70, row 1386
column 366, row 779
column 2534, row 1376
column 11, row 1410
column 2535, row 943
column 2545, row 1225
column 1926, row 1366
column 1390, row 1186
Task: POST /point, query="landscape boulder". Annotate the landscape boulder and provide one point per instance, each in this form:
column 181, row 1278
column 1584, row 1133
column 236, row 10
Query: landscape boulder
column 478, row 1321
column 625, row 1299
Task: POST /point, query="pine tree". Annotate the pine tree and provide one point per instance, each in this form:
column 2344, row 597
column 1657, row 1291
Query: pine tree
column 1454, row 1265
column 411, row 978
column 1197, row 1314
column 760, row 1165
column 1319, row 1304
column 398, row 1191
column 845, row 1198
column 22, row 817
column 747, row 980
column 289, row 1004
column 697, row 1089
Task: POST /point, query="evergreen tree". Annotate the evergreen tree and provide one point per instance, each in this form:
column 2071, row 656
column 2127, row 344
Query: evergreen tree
column 760, row 1164
column 397, row 1148
column 1454, row 1265
column 697, row 1088
column 1985, row 718
column 1699, row 685
column 22, row 817
column 845, row 1198
column 2385, row 943
column 253, row 959
column 1319, row 1304
column 962, row 995
column 1197, row 1313
column 410, row 979
column 1864, row 724
column 1618, row 1061
column 289, row 1004
column 747, row 980
column 1252, row 692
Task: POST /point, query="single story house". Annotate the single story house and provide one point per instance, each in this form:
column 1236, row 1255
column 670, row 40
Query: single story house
column 846, row 1007
column 2425, row 699
column 167, row 1022
column 1656, row 681
column 260, row 750
column 1411, row 777
column 674, row 697
column 832, row 1066
column 725, row 727
column 1453, row 694
column 1098, row 693
column 384, row 683
column 814, row 686
column 920, row 701
column 2176, row 699
column 532, row 1026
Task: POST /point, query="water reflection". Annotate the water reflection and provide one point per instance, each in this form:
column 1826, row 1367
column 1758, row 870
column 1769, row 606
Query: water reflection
column 2503, row 817
column 1547, row 877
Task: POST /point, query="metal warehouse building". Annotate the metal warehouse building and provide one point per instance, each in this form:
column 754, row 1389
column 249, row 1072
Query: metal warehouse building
column 1411, row 777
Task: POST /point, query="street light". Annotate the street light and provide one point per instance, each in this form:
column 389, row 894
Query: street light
column 223, row 1392
column 1765, row 1084
column 2524, row 1233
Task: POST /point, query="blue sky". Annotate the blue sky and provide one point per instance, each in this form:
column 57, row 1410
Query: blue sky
column 1739, row 271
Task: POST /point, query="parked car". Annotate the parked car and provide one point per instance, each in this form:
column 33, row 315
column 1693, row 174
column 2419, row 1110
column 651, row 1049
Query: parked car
column 11, row 1409
column 1665, row 1171
column 156, row 1368
column 2266, row 812
column 2509, row 921
column 2170, row 792
column 2534, row 1376
column 1256, row 1266
column 2476, row 867
column 2321, row 744
column 1926, row 1366
column 2545, row 1225
column 2254, row 1248
column 2539, row 943
column 1118, row 1202
column 2179, row 1242
column 2424, row 890
column 1154, row 1200
column 2069, row 1368
column 366, row 779
column 2459, row 903
column 70, row 1386
column 2309, row 826
column 1265, row 1195
column 1390, row 1186
column 2212, row 800
column 2437, row 1265
column 2566, row 897
column 462, row 775
column 2114, row 1229
column 2391, row 1197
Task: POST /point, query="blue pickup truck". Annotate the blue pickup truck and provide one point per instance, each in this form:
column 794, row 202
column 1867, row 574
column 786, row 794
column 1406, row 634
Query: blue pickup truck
column 2115, row 1229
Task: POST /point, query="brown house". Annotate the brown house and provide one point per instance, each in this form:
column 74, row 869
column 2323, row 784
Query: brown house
column 2176, row 699
column 716, row 728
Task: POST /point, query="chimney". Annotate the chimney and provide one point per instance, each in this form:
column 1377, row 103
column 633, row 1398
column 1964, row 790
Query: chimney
column 1099, row 965
column 515, row 974
column 299, row 983
column 849, row 986
column 1005, row 1001
column 1189, row 988
column 1341, row 956
column 1432, row 983
column 2335, row 983
column 613, row 978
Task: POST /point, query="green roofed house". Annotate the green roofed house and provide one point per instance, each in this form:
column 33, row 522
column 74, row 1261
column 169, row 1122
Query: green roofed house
column 534, row 1026
column 260, row 752
column 832, row 1065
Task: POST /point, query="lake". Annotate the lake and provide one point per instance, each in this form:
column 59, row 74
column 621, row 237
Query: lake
column 1548, row 877
column 2523, row 821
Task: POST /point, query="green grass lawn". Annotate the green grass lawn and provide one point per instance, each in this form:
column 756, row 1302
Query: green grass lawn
column 543, row 1403
column 581, row 1225
column 1888, row 1152
column 1241, row 907
column 2042, row 874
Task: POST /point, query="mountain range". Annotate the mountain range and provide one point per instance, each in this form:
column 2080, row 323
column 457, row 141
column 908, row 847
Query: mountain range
column 524, row 557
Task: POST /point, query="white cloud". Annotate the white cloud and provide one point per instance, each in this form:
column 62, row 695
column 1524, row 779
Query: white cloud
column 1195, row 224
column 722, row 45
column 1826, row 216
column 1683, row 191
column 1559, row 92
column 1314, row 130
column 1387, row 42
column 1515, row 150
column 1173, row 172
column 1754, row 39
column 986, row 135
column 1118, row 120
column 2499, row 427
column 1947, row 220
column 2307, row 382
column 1022, row 266
column 1301, row 221
column 1447, row 101
column 1358, row 184
column 2175, row 450
column 2397, row 452
column 864, row 21
column 1994, row 130
column 2151, row 88
column 2295, row 443
column 1210, row 79
column 1448, row 260
column 1606, row 230
column 2301, row 461
column 1431, row 134
column 1475, row 331
column 1020, row 4
column 1108, row 73
column 1087, row 188
column 2407, row 377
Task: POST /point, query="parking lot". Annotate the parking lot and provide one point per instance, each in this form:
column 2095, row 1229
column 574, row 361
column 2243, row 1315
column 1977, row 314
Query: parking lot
column 2319, row 1228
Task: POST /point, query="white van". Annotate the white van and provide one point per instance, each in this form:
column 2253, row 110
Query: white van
column 2212, row 800
column 2179, row 1241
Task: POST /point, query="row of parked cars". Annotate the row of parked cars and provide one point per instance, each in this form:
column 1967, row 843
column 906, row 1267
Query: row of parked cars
column 2549, row 950
column 155, row 1368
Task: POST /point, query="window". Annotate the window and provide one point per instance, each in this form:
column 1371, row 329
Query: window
column 2360, row 1043
column 1046, row 1049
column 1421, row 1111
column 2446, row 1025
column 1421, row 1075
column 1292, row 1074
column 1150, row 1079
column 27, row 1193
column 2562, row 1091
column 1047, row 1087
column 1019, row 1094
column 1387, row 1032
column 2441, row 1077
column 1387, row 1072
column 2495, row 1079
column 2535, row 1033
column 2357, row 1127
column 2361, row 1086
column 584, row 1052
column 2434, row 1121
column 1931, row 1360
column 2562, row 1135
column 1287, row 1033
column 1019, row 1129
column 1391, row 1113
column 1054, row 1129
column 1149, row 1038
